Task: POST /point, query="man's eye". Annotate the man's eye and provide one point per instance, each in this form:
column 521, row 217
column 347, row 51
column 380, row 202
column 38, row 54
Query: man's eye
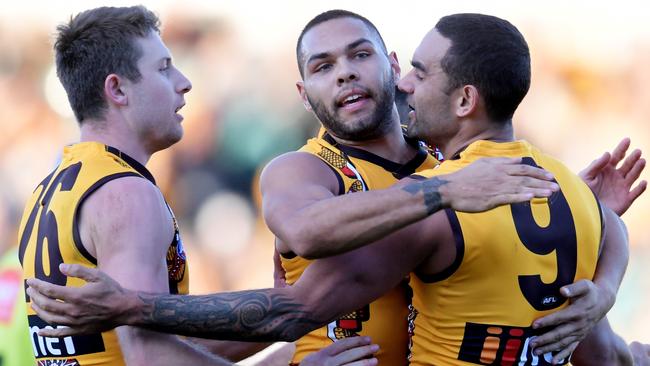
column 323, row 67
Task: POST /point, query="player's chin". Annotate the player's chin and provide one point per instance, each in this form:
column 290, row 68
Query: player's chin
column 172, row 137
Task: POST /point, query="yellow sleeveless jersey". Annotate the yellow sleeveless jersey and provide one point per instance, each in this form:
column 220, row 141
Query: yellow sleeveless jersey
column 49, row 235
column 511, row 262
column 385, row 320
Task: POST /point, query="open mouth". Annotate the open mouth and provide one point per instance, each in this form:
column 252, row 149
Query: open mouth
column 352, row 99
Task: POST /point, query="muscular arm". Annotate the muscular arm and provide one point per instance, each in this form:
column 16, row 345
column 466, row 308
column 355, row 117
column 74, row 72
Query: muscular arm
column 602, row 347
column 299, row 189
column 128, row 226
column 589, row 302
column 290, row 312
column 614, row 256
column 230, row 350
column 258, row 315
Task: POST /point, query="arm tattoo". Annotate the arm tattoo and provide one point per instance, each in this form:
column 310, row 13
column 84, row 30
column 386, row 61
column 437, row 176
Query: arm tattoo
column 429, row 188
column 255, row 315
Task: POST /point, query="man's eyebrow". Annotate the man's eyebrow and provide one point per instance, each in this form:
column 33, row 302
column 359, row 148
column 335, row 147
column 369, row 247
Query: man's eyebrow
column 318, row 56
column 349, row 47
column 357, row 43
column 418, row 65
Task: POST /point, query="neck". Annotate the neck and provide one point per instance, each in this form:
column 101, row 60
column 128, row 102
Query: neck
column 490, row 131
column 108, row 134
column 391, row 145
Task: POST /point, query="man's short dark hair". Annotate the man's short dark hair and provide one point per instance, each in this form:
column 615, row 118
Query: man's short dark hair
column 329, row 15
column 491, row 54
column 94, row 44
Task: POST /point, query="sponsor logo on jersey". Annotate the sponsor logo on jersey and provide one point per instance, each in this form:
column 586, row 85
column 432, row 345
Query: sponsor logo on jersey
column 489, row 344
column 348, row 325
column 61, row 347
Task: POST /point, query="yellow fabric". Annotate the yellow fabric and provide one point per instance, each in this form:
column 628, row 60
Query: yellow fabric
column 48, row 236
column 479, row 314
column 381, row 319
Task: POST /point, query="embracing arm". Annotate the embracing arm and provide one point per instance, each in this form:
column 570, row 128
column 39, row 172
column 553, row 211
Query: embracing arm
column 589, row 301
column 299, row 189
column 126, row 251
column 258, row 315
column 602, row 347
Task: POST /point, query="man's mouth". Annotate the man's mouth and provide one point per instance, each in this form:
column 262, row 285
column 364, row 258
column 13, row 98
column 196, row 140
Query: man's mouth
column 351, row 99
column 411, row 114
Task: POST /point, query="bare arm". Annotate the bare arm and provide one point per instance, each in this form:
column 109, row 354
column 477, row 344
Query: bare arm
column 602, row 347
column 129, row 227
column 258, row 315
column 299, row 189
column 589, row 301
column 230, row 350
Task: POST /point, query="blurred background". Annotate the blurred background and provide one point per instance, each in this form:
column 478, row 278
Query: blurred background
column 589, row 89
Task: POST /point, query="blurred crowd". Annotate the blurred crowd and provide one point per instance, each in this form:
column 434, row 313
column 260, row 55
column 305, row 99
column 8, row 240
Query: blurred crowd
column 244, row 110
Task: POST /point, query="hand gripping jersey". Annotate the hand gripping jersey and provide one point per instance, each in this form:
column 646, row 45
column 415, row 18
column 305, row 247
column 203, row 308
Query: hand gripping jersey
column 385, row 319
column 511, row 262
column 49, row 235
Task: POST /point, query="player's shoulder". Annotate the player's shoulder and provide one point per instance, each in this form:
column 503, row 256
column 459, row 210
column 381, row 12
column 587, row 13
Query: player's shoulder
column 129, row 194
column 297, row 165
column 299, row 169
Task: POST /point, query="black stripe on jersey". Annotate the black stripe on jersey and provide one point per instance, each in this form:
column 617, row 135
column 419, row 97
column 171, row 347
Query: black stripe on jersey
column 133, row 163
column 75, row 220
column 460, row 251
column 339, row 179
column 399, row 170
column 288, row 255
column 602, row 223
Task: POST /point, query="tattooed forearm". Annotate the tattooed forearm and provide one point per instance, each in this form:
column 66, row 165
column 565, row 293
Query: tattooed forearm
column 430, row 190
column 257, row 315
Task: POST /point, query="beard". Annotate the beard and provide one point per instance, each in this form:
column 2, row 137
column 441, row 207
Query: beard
column 377, row 124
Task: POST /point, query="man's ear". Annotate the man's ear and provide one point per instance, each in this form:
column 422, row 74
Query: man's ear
column 394, row 64
column 303, row 95
column 467, row 101
column 114, row 90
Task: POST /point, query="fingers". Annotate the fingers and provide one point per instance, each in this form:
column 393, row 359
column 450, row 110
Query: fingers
column 634, row 172
column 527, row 170
column 49, row 290
column 357, row 353
column 557, row 340
column 576, row 289
column 590, row 172
column 558, row 334
column 46, row 303
column 638, row 190
column 346, row 344
column 85, row 273
column 619, row 151
column 368, row 362
column 565, row 353
column 557, row 318
column 629, row 162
